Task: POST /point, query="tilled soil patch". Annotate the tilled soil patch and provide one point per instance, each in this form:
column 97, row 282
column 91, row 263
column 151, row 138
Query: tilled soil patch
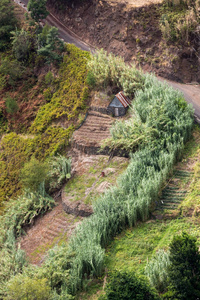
column 53, row 228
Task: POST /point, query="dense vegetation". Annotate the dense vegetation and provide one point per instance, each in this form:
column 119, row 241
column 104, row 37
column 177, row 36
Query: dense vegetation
column 127, row 286
column 46, row 136
column 160, row 124
column 179, row 20
column 139, row 186
column 137, row 189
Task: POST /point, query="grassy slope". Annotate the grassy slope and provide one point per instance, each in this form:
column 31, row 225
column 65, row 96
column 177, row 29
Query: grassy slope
column 135, row 246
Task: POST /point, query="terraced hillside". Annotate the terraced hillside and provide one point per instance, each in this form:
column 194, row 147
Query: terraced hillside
column 94, row 130
column 53, row 228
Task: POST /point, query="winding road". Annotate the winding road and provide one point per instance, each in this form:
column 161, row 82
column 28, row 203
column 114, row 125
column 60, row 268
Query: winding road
column 191, row 92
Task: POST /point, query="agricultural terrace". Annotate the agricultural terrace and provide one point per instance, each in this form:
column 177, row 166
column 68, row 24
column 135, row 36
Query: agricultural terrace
column 155, row 134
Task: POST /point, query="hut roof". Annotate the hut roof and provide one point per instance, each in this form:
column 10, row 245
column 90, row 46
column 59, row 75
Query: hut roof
column 123, row 99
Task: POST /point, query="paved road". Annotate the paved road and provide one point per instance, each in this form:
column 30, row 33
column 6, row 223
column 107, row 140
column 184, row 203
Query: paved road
column 65, row 33
column 190, row 92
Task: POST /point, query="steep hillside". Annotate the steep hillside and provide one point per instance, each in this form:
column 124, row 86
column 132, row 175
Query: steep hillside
column 47, row 114
column 103, row 196
column 140, row 32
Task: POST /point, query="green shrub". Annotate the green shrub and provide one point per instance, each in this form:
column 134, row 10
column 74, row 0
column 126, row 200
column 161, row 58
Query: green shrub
column 184, row 270
column 24, row 209
column 49, row 78
column 23, row 44
column 8, row 22
column 22, row 287
column 52, row 47
column 108, row 70
column 59, row 172
column 157, row 269
column 126, row 286
column 12, row 70
column 91, row 81
column 12, row 259
column 33, row 174
column 11, row 105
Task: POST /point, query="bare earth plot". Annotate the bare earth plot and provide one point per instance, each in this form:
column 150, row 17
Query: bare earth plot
column 53, row 228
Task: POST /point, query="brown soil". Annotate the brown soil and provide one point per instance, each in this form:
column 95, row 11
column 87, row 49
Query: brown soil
column 94, row 130
column 131, row 29
column 53, row 228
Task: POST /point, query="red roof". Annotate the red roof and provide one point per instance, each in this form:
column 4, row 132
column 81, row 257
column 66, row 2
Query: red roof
column 123, row 99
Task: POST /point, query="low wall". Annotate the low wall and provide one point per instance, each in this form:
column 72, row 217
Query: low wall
column 76, row 208
column 92, row 150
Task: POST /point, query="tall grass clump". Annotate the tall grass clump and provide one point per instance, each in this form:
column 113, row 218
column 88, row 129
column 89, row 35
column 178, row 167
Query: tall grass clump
column 24, row 209
column 12, row 259
column 180, row 20
column 109, row 70
column 157, row 270
column 59, row 172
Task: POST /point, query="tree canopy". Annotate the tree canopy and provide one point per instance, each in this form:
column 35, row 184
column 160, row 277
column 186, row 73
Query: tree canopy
column 51, row 47
column 37, row 9
column 184, row 271
column 8, row 22
column 125, row 285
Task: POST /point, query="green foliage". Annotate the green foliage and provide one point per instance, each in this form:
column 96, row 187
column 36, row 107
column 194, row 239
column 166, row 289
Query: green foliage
column 12, row 259
column 180, row 19
column 52, row 47
column 17, row 150
column 56, row 268
column 49, row 78
column 72, row 93
column 11, row 105
column 157, row 111
column 24, row 209
column 8, row 22
column 11, row 70
column 23, row 43
column 59, row 172
column 131, row 134
column 157, row 268
column 91, row 81
column 108, row 70
column 184, row 270
column 33, row 174
column 22, row 287
column 139, row 186
column 125, row 286
column 38, row 9
column 54, row 140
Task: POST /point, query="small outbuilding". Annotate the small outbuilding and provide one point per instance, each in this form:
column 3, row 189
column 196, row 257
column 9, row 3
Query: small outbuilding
column 119, row 105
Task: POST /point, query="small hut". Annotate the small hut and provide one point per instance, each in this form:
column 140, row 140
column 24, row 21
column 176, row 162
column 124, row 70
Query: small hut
column 119, row 105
